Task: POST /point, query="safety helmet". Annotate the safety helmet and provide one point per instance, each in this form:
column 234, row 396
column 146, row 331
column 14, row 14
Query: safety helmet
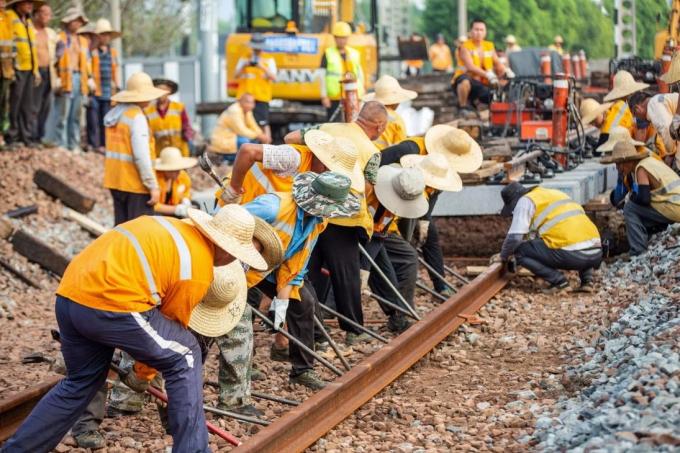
column 341, row 30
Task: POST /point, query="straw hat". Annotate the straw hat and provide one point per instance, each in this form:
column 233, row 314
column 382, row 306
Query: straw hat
column 462, row 151
column 617, row 134
column 172, row 160
column 591, row 109
column 673, row 73
column 139, row 88
column 104, row 26
column 438, row 174
column 389, row 92
column 223, row 305
column 338, row 154
column 73, row 13
column 168, row 83
column 401, row 191
column 624, row 86
column 325, row 195
column 272, row 247
column 510, row 39
column 624, row 151
column 36, row 3
column 558, row 40
column 87, row 29
column 231, row 229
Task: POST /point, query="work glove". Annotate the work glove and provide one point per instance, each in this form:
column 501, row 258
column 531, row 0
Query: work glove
column 423, row 226
column 37, row 80
column 91, row 85
column 495, row 259
column 492, row 77
column 181, row 210
column 278, row 308
column 230, row 195
column 364, row 274
column 133, row 381
column 509, row 73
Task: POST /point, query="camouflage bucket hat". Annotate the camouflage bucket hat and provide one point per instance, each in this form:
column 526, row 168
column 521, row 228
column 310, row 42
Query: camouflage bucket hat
column 325, row 195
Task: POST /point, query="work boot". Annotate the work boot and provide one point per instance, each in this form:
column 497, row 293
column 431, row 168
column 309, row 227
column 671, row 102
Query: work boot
column 555, row 288
column 309, row 379
column 90, row 439
column 354, row 338
column 446, row 292
column 248, row 410
column 321, row 345
column 257, row 375
column 586, row 287
column 279, row 354
column 397, row 323
column 114, row 412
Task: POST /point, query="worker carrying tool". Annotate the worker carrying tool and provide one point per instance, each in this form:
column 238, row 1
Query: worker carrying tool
column 174, row 182
column 236, row 126
column 168, row 119
column 606, row 116
column 440, row 56
column 111, row 296
column 336, row 62
column 389, row 93
column 478, row 68
column 557, row 44
column 567, row 239
column 648, row 190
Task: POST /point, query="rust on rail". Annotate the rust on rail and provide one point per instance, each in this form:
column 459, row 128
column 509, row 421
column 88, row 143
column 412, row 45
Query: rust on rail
column 304, row 424
column 16, row 407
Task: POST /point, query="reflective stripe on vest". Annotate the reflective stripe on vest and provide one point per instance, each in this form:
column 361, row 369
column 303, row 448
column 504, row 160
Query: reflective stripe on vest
column 619, row 115
column 118, row 156
column 547, row 211
column 668, row 187
column 143, row 261
column 559, row 218
column 166, row 133
column 261, row 178
column 285, row 227
column 182, row 248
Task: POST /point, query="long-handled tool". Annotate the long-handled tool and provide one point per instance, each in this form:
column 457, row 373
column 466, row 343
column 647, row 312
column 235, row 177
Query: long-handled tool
column 354, row 324
column 432, row 292
column 327, row 336
column 261, row 396
column 391, row 305
column 449, row 270
column 206, row 166
column 437, row 274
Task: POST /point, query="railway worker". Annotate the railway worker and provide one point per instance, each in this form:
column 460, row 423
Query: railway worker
column 672, row 76
column 130, row 152
column 168, row 119
column 478, row 68
column 511, row 44
column 235, row 127
column 389, row 93
column 606, row 116
column 657, row 111
column 652, row 190
column 92, row 131
column 110, row 297
column 46, row 48
column 299, row 216
column 620, row 134
column 174, row 182
column 337, row 61
column 567, row 239
column 7, row 74
column 256, row 74
column 557, row 44
column 440, row 56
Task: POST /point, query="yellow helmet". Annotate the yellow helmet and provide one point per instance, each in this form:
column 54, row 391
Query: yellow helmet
column 341, row 30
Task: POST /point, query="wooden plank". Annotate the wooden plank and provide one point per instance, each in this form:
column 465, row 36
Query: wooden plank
column 39, row 252
column 6, row 228
column 488, row 169
column 69, row 195
column 599, row 203
column 473, row 271
column 23, row 277
column 94, row 228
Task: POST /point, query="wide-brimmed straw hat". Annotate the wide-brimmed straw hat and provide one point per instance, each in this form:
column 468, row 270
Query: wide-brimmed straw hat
column 171, row 159
column 511, row 195
column 104, row 26
column 510, row 39
column 673, row 73
column 36, row 3
column 73, row 13
column 87, row 29
column 622, row 152
column 436, row 170
column 223, row 305
column 272, row 247
column 338, row 154
column 591, row 109
column 231, row 229
column 325, row 195
column 624, row 86
column 462, row 151
column 401, row 191
column 139, row 88
column 387, row 91
column 617, row 134
column 168, row 83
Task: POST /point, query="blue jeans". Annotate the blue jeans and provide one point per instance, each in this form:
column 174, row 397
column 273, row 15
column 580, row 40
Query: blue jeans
column 88, row 338
column 67, row 109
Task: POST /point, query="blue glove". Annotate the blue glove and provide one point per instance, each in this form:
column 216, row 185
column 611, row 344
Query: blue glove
column 641, row 123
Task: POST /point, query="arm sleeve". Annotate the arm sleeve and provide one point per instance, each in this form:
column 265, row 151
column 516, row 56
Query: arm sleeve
column 661, row 118
column 392, row 154
column 265, row 207
column 642, row 196
column 272, row 68
column 187, row 130
column 431, row 202
column 141, row 153
column 283, row 159
column 324, row 91
column 619, row 193
column 242, row 62
column 521, row 216
column 512, row 241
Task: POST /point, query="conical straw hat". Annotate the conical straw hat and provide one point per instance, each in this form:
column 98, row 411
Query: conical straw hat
column 139, row 88
column 462, row 151
column 618, row 134
column 673, row 73
column 624, row 86
column 104, row 26
column 339, row 155
column 624, row 151
column 387, row 91
column 591, row 109
column 172, row 160
column 436, row 170
column 223, row 305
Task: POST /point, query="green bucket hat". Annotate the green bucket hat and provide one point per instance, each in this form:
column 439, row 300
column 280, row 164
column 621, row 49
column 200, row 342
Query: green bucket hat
column 325, row 195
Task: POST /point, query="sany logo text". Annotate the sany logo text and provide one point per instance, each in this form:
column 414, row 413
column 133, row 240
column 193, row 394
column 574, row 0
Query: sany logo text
column 298, row 75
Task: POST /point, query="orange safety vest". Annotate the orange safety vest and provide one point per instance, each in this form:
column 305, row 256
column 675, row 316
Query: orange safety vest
column 284, row 224
column 120, row 172
column 179, row 188
column 167, row 130
column 386, row 221
column 485, row 63
column 64, row 65
column 97, row 75
column 254, row 81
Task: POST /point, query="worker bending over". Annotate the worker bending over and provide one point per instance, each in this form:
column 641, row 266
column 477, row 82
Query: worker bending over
column 237, row 126
column 657, row 111
column 174, row 182
column 390, row 94
column 169, row 120
column 567, row 239
column 606, row 116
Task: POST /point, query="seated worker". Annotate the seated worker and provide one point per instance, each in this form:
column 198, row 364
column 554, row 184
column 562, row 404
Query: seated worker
column 658, row 112
column 653, row 191
column 173, row 182
column 168, row 119
column 478, row 68
column 440, row 56
column 567, row 239
column 511, row 44
column 299, row 217
column 389, row 93
column 237, row 126
column 556, row 46
column 606, row 116
column 111, row 296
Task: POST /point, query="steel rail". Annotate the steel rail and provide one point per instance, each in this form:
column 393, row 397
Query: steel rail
column 303, row 425
column 16, row 407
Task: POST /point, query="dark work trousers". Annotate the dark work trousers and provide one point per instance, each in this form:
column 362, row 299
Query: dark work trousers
column 88, row 339
column 103, row 107
column 43, row 103
column 92, row 130
column 641, row 223
column 128, row 205
column 337, row 250
column 432, row 254
column 299, row 320
column 22, row 117
column 4, row 103
column 544, row 262
column 399, row 262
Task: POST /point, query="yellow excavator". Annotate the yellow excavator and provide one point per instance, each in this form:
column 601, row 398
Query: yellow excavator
column 671, row 35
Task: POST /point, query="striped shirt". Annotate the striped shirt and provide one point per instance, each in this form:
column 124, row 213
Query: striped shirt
column 105, row 72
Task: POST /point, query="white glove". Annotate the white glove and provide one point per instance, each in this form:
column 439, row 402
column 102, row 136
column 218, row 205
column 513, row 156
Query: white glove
column 495, row 258
column 186, row 201
column 509, row 73
column 279, row 307
column 181, row 210
column 364, row 274
column 56, row 84
column 91, row 85
column 423, row 226
column 229, row 195
column 492, row 77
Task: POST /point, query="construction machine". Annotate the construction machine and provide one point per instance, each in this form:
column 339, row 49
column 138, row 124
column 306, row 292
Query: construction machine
column 669, row 37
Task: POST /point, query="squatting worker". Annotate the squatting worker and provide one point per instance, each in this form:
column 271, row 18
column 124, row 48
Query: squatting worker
column 235, row 127
column 110, row 297
column 649, row 191
column 567, row 239
column 168, row 119
column 657, row 111
column 390, row 94
column 174, row 182
column 606, row 116
column 478, row 68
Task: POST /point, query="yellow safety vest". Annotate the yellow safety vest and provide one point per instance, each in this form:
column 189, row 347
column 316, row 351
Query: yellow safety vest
column 618, row 115
column 485, row 63
column 559, row 220
column 254, row 81
column 395, row 131
column 120, row 172
column 666, row 198
column 24, row 41
column 167, row 130
column 336, row 69
column 7, row 52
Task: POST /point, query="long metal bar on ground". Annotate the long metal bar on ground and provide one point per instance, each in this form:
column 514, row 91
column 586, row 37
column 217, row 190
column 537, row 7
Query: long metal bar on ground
column 436, row 274
column 334, row 345
column 303, row 425
column 396, row 307
column 16, row 407
column 357, row 325
column 430, row 291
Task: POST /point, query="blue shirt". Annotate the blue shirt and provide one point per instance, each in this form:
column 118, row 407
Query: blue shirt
column 267, row 208
column 105, row 73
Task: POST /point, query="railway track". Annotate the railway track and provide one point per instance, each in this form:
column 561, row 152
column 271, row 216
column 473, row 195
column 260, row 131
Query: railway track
column 304, row 424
